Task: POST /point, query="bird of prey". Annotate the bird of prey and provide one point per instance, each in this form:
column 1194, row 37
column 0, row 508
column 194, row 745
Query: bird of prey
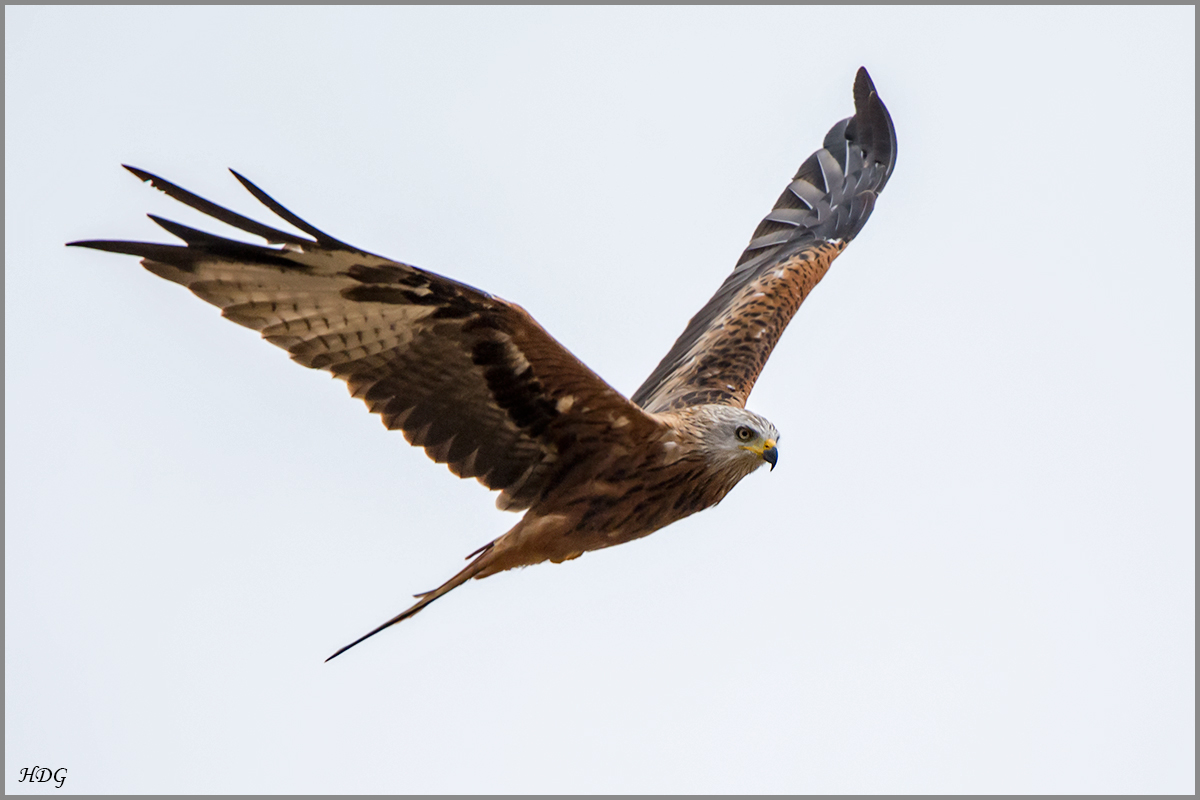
column 484, row 389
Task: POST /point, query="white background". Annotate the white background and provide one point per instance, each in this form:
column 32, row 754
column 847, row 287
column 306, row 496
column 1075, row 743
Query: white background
column 973, row 569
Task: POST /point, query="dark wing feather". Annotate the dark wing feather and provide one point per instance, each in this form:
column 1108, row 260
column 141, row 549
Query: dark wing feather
column 471, row 378
column 725, row 346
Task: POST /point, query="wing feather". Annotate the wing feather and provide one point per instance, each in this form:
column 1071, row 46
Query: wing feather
column 471, row 378
column 722, row 351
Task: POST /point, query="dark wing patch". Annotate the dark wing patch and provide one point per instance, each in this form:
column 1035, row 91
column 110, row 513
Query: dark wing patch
column 471, row 378
column 725, row 346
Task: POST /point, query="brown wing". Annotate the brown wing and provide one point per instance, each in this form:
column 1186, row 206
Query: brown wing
column 471, row 378
column 725, row 346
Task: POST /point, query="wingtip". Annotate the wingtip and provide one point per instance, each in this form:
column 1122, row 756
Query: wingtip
column 322, row 238
column 864, row 90
column 253, row 188
column 99, row 244
column 872, row 123
column 93, row 244
column 140, row 174
column 862, row 77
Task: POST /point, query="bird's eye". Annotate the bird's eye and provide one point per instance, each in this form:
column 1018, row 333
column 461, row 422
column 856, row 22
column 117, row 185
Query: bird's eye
column 744, row 434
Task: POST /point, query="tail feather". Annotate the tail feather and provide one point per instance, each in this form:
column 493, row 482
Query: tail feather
column 468, row 572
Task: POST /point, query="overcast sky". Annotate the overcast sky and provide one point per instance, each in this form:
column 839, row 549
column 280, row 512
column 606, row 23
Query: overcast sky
column 973, row 570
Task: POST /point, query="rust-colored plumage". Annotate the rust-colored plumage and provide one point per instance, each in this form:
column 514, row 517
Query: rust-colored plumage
column 484, row 389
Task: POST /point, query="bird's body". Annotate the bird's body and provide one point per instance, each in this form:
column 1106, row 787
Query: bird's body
column 622, row 492
column 483, row 388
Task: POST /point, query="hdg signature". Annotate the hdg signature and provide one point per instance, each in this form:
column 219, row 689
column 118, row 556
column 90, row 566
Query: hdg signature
column 44, row 774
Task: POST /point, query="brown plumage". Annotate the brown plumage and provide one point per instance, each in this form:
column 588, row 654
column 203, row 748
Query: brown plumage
column 484, row 389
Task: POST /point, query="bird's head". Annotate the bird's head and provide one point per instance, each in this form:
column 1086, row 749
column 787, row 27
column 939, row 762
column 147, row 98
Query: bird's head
column 737, row 440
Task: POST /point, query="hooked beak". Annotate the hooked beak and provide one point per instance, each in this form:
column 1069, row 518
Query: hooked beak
column 770, row 453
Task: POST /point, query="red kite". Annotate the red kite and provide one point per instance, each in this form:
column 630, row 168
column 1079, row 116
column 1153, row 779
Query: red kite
column 479, row 384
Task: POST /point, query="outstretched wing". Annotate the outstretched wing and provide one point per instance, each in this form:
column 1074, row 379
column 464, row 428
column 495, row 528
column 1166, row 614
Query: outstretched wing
column 725, row 346
column 471, row 378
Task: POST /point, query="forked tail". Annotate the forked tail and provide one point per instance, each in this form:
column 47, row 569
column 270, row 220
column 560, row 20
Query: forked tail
column 470, row 571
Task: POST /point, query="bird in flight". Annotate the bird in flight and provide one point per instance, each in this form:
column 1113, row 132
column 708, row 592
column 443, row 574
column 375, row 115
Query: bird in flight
column 484, row 389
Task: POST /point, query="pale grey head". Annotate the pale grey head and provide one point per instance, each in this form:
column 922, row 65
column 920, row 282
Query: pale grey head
column 736, row 441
